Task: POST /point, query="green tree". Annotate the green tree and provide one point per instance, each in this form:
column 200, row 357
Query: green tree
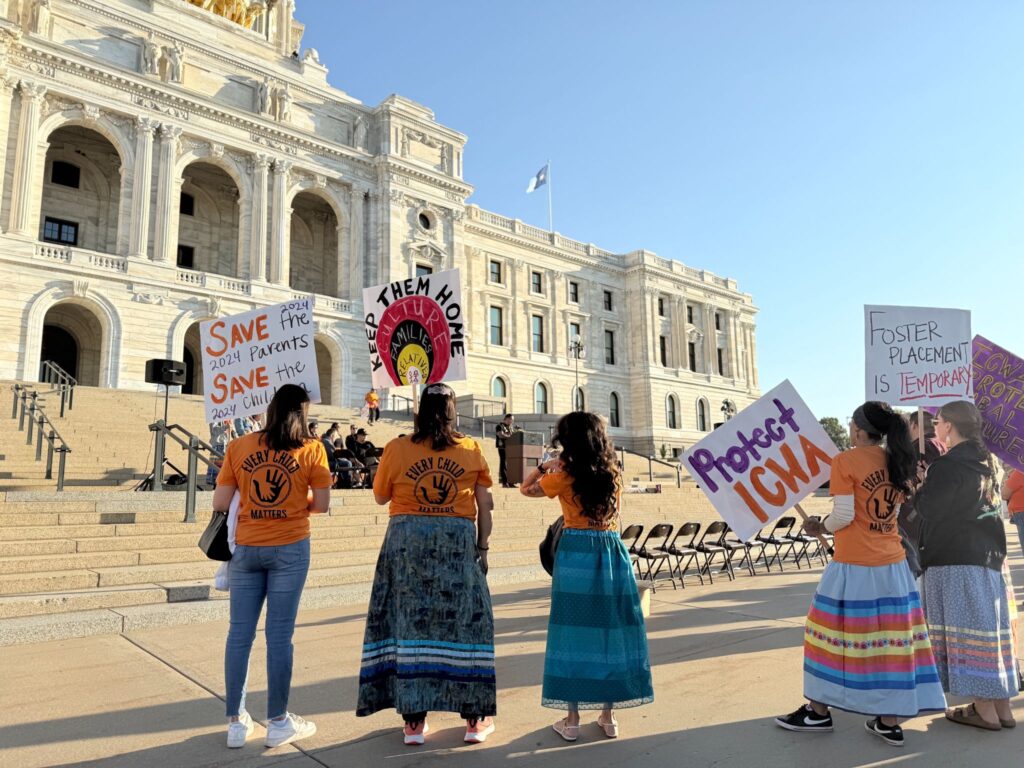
column 834, row 429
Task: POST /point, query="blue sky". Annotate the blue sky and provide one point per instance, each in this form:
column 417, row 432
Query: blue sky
column 824, row 154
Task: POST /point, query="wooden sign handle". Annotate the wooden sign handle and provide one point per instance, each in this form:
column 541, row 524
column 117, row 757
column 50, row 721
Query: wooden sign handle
column 818, row 536
column 920, row 429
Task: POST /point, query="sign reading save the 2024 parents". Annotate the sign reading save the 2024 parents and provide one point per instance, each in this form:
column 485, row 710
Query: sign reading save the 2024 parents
column 415, row 330
column 757, row 465
column 917, row 356
column 247, row 357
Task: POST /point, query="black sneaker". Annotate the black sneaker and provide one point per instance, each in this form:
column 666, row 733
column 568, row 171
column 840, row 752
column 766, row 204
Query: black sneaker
column 890, row 734
column 806, row 720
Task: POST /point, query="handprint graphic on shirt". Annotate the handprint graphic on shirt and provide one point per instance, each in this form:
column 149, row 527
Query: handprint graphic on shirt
column 270, row 484
column 883, row 502
column 442, row 486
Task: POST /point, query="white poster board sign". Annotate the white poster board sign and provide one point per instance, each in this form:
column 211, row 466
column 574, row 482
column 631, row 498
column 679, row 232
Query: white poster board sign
column 247, row 357
column 757, row 465
column 415, row 330
column 917, row 356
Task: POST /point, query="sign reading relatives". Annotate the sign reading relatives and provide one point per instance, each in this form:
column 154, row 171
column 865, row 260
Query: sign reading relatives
column 247, row 357
column 756, row 466
column 917, row 356
column 415, row 330
column 999, row 395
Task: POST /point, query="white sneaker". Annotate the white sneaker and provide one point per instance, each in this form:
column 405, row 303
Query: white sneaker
column 291, row 728
column 239, row 732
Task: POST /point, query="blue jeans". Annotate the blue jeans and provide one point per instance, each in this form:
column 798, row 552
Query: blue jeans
column 277, row 575
column 1018, row 520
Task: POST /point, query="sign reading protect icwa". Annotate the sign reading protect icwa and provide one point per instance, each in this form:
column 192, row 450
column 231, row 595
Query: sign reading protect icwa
column 770, row 456
column 415, row 330
column 917, row 356
column 247, row 357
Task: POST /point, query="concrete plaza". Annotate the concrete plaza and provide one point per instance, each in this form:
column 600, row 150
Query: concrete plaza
column 726, row 660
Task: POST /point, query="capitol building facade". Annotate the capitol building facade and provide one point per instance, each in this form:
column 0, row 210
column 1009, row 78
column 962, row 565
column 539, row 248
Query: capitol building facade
column 172, row 161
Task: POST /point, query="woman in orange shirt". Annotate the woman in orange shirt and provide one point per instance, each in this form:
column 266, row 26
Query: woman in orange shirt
column 1013, row 495
column 273, row 470
column 597, row 644
column 429, row 642
column 866, row 646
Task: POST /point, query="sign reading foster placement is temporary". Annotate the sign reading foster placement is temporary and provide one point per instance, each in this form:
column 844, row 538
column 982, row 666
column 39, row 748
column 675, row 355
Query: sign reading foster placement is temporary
column 757, row 465
column 917, row 356
column 999, row 395
column 247, row 357
column 415, row 330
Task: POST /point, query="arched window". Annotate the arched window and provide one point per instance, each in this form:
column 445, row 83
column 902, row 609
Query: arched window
column 499, row 388
column 702, row 415
column 671, row 412
column 579, row 401
column 540, row 398
column 613, row 410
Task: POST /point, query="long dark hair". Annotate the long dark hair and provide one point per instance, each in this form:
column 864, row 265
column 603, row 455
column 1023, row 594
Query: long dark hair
column 287, row 419
column 878, row 420
column 966, row 419
column 435, row 420
column 589, row 458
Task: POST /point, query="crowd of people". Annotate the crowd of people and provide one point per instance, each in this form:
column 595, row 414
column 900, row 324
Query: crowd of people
column 915, row 608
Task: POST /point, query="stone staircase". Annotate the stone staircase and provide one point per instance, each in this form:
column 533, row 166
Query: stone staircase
column 99, row 558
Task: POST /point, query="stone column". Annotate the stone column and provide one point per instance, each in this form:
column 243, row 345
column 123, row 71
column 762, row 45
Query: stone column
column 356, row 263
column 168, row 197
column 710, row 340
column 280, row 219
column 514, row 310
column 25, row 159
column 6, row 98
column 340, row 256
column 138, row 236
column 258, row 215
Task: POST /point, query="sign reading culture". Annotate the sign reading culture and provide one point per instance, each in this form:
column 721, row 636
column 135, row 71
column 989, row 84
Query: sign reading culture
column 246, row 357
column 917, row 356
column 754, row 467
column 415, row 330
column 999, row 395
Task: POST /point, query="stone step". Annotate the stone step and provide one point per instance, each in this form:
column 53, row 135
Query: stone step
column 66, row 562
column 14, row 606
column 48, row 547
column 51, row 581
column 36, row 533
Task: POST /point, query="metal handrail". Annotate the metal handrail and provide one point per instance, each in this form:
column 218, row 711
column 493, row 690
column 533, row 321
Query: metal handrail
column 401, row 398
column 651, row 461
column 483, row 424
column 34, row 417
column 62, row 381
column 195, row 447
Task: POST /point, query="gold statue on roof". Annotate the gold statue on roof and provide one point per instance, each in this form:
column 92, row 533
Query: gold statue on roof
column 242, row 12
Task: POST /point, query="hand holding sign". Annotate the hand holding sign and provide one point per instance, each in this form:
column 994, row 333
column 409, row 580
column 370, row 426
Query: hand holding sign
column 764, row 461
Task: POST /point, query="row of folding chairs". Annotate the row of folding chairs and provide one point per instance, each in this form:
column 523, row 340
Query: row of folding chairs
column 696, row 551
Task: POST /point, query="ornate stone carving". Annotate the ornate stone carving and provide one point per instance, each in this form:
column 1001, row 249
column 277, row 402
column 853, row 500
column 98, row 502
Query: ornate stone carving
column 283, row 103
column 163, row 109
column 263, row 97
column 192, row 144
column 54, row 103
column 409, row 134
column 216, row 150
column 80, row 288
column 278, row 146
column 32, row 91
column 39, row 18
column 359, row 131
column 174, row 63
column 396, row 196
column 312, row 56
column 92, row 113
column 143, row 297
column 213, row 306
column 150, row 56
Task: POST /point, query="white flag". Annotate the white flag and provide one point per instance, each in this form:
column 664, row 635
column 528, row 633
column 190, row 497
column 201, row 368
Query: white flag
column 539, row 180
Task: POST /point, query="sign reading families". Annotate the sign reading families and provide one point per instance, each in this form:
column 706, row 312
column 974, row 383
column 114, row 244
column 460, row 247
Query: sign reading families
column 917, row 356
column 757, row 465
column 415, row 330
column 247, row 357
column 999, row 395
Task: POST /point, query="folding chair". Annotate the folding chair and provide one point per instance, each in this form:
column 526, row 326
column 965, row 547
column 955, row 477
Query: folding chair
column 734, row 545
column 822, row 553
column 683, row 550
column 652, row 553
column 777, row 539
column 710, row 545
column 801, row 545
column 630, row 536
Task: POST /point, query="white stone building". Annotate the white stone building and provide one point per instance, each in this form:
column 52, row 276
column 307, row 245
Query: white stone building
column 170, row 161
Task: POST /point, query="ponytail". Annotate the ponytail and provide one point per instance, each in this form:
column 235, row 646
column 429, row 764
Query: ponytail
column 878, row 420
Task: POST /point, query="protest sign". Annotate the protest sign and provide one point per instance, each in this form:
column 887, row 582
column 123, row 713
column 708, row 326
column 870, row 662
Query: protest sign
column 999, row 395
column 764, row 461
column 917, row 356
column 415, row 330
column 247, row 357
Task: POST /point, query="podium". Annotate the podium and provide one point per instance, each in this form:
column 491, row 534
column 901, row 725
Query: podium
column 523, row 452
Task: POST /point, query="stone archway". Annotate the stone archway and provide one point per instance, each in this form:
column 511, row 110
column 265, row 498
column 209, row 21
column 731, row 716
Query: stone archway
column 192, row 356
column 73, row 331
column 328, row 371
column 209, row 220
column 315, row 240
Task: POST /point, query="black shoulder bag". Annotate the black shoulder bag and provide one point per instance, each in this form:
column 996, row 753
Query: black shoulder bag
column 214, row 541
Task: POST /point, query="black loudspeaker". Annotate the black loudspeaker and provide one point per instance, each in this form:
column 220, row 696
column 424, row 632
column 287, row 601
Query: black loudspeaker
column 170, row 373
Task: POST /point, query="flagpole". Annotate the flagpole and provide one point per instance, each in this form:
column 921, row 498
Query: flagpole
column 551, row 225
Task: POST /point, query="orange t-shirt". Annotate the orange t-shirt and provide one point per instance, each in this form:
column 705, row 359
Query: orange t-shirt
column 422, row 481
column 873, row 538
column 372, row 399
column 560, row 484
column 274, row 488
column 1015, row 485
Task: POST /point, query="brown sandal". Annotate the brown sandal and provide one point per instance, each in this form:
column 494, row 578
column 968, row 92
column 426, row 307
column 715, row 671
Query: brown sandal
column 969, row 716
